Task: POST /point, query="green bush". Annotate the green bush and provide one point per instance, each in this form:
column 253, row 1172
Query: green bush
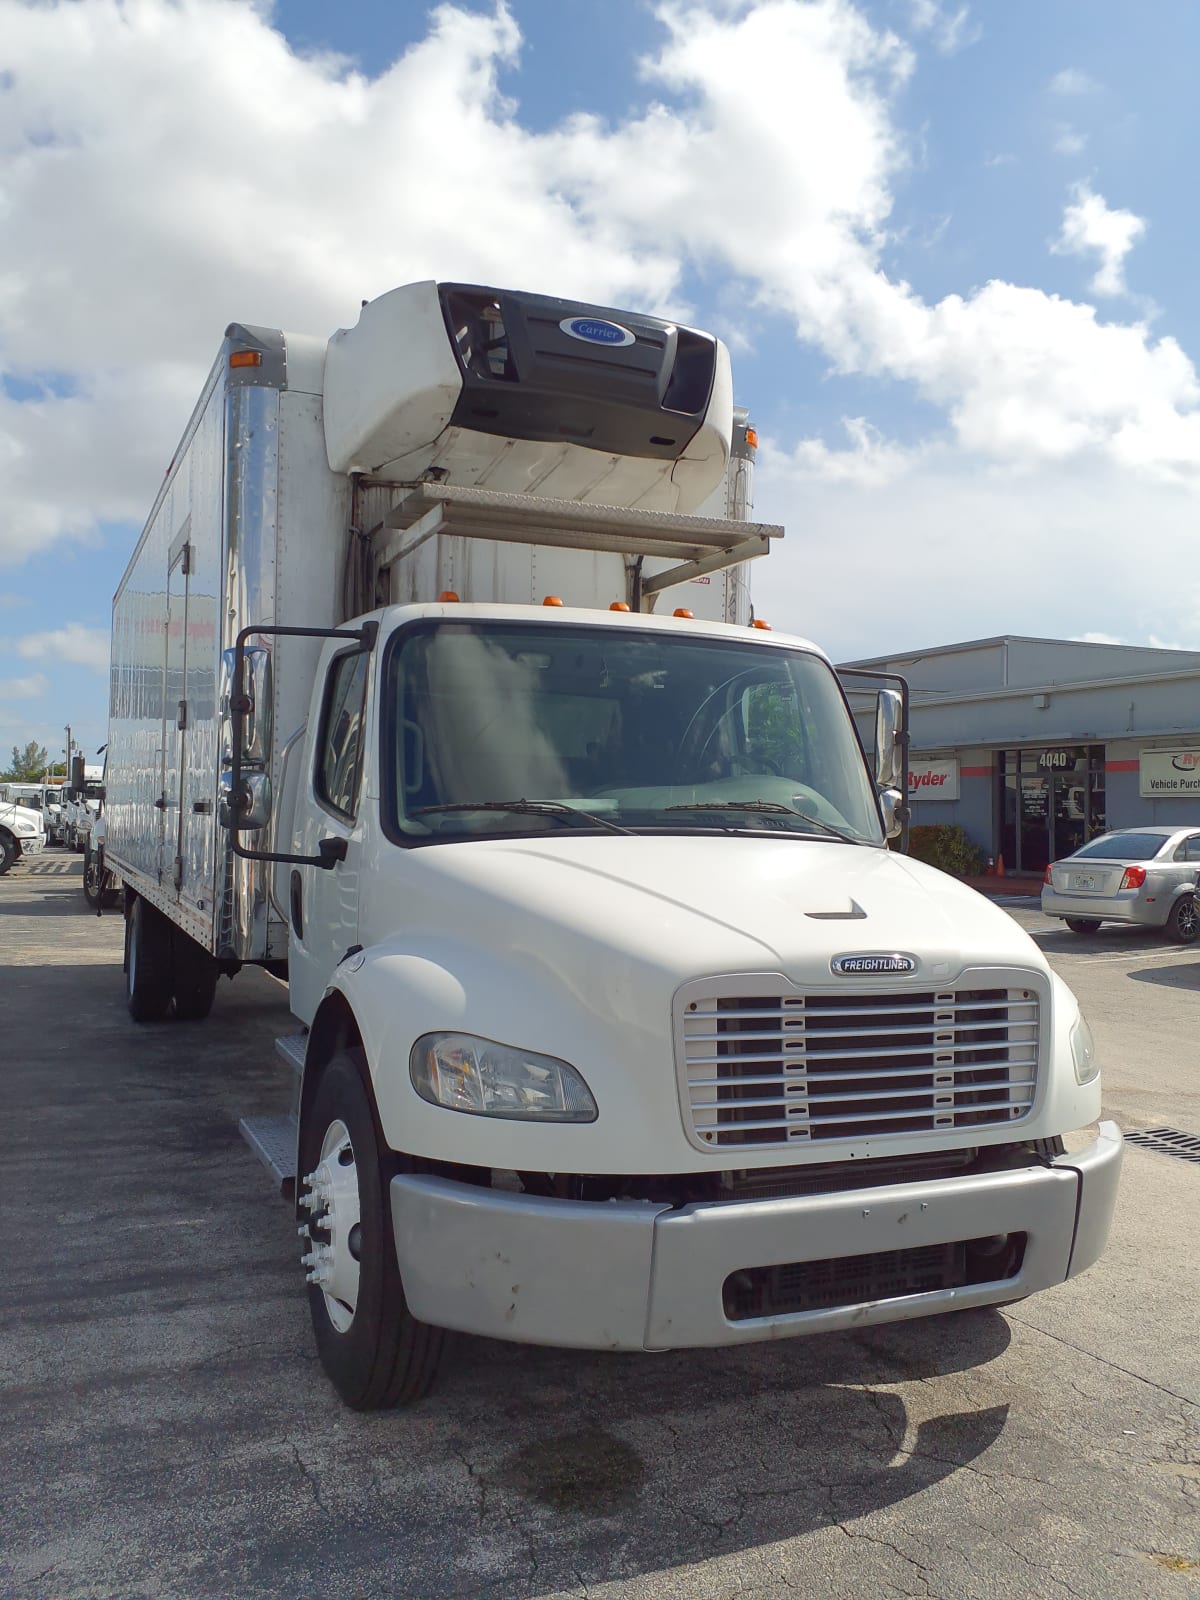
column 946, row 846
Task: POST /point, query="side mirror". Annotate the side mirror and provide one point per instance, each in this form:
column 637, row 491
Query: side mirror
column 248, row 809
column 894, row 806
column 889, row 715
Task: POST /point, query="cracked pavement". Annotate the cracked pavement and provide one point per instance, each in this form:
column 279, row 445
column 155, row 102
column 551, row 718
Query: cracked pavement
column 166, row 1431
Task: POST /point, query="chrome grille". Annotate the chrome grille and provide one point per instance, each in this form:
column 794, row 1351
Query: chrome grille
column 787, row 1069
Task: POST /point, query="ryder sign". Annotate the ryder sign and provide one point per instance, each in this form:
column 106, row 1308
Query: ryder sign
column 933, row 780
column 1162, row 773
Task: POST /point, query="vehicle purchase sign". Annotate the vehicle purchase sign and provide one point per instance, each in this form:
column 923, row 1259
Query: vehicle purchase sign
column 1162, row 773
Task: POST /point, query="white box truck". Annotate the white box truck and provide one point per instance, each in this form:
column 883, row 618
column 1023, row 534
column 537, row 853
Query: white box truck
column 437, row 690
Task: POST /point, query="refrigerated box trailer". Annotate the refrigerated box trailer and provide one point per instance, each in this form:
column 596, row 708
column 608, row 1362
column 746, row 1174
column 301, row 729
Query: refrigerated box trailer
column 437, row 690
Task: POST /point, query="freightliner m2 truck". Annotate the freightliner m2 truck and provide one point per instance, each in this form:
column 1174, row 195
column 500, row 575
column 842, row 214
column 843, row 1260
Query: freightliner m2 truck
column 620, row 1022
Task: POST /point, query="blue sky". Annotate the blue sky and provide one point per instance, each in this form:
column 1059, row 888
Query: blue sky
column 951, row 246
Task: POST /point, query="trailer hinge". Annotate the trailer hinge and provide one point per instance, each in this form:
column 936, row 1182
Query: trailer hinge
column 187, row 560
column 181, row 720
column 178, row 872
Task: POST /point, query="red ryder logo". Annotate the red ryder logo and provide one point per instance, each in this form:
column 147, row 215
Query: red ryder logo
column 929, row 779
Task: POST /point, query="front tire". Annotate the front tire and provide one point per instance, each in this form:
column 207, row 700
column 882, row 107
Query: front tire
column 147, row 963
column 8, row 853
column 374, row 1351
column 1183, row 925
column 1083, row 924
column 94, row 887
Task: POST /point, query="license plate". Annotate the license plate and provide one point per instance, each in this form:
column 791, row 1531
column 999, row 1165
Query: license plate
column 1084, row 881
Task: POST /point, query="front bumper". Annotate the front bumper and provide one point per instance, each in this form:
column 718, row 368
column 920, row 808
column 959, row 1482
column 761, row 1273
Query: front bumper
column 1128, row 907
column 30, row 844
column 631, row 1275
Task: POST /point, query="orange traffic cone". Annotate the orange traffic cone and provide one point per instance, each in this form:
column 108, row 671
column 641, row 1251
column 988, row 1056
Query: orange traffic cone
column 1000, row 866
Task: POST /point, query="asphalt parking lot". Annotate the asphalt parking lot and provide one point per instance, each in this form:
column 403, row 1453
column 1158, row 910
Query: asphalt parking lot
column 165, row 1429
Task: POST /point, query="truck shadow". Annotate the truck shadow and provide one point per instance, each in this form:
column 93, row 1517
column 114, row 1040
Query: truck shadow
column 628, row 1465
column 1183, row 975
column 1109, row 940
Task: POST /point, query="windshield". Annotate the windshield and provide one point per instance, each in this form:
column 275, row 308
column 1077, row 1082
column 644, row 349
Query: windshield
column 649, row 732
column 1125, row 846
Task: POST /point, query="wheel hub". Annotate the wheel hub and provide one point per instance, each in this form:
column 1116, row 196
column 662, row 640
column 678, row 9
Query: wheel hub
column 330, row 1196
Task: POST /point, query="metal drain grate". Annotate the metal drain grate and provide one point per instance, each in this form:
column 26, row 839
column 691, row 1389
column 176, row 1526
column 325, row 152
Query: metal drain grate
column 1168, row 1142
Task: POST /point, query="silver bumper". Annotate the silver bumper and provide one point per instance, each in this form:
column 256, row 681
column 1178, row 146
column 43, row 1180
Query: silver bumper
column 32, row 844
column 1108, row 908
column 630, row 1275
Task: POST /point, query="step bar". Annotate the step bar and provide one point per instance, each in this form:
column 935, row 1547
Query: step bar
column 274, row 1139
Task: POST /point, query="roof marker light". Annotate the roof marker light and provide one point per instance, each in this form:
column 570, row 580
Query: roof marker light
column 245, row 358
column 447, row 594
column 620, row 605
column 552, row 600
column 682, row 611
column 752, row 438
column 759, row 623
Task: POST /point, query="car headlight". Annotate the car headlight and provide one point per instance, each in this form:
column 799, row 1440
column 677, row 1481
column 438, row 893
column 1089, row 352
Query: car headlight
column 486, row 1079
column 1083, row 1052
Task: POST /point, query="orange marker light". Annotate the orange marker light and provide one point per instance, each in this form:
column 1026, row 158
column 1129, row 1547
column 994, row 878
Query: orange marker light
column 752, row 438
column 759, row 623
column 681, row 611
column 552, row 600
column 447, row 594
column 245, row 358
column 619, row 605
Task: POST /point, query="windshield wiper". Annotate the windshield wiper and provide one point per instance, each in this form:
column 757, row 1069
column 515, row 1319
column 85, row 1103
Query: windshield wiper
column 524, row 808
column 770, row 808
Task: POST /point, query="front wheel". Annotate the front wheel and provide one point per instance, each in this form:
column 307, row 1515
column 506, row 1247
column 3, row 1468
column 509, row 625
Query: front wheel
column 374, row 1351
column 97, row 884
column 1183, row 925
column 1083, row 924
column 8, row 853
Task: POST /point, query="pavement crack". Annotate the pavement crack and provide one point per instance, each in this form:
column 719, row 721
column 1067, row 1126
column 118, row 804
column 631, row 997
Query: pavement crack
column 920, row 1572
column 1113, row 1366
column 311, row 1478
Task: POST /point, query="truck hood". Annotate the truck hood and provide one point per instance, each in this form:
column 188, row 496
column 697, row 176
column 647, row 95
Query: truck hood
column 723, row 904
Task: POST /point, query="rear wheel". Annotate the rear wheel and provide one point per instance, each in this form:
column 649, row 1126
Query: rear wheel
column 1183, row 925
column 94, row 879
column 374, row 1351
column 147, row 963
column 1084, row 924
column 195, row 978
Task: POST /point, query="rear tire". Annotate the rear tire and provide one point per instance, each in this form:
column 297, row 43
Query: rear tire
column 93, row 881
column 195, row 978
column 1183, row 925
column 147, row 963
column 374, row 1351
column 1083, row 924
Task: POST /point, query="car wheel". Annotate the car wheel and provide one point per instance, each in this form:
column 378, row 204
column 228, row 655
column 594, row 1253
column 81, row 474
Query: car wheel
column 374, row 1351
column 1083, row 924
column 1183, row 925
column 147, row 963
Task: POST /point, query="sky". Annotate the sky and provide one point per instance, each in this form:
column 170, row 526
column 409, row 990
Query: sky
column 951, row 244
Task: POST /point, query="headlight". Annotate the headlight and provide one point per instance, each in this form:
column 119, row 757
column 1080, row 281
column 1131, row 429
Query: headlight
column 464, row 1073
column 26, row 827
column 1083, row 1052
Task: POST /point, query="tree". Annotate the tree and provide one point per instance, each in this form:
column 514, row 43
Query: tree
column 29, row 764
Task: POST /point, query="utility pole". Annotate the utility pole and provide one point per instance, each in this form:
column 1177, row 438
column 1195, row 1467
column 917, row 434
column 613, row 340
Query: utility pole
column 68, row 754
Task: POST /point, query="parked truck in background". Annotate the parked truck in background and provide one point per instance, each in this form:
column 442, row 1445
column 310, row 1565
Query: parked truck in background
column 81, row 797
column 437, row 690
column 22, row 824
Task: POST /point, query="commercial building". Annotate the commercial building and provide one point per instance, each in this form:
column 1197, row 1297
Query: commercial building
column 1035, row 745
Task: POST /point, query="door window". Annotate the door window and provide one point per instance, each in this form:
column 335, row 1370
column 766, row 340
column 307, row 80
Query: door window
column 340, row 748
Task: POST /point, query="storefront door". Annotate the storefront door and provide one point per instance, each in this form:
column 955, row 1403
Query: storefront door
column 1053, row 802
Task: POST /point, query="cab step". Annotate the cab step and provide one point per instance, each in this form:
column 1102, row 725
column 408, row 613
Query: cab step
column 273, row 1139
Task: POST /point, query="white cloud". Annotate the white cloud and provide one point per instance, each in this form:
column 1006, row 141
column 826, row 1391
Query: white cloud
column 24, row 688
column 1097, row 638
column 1091, row 227
column 85, row 647
column 1068, row 141
column 257, row 185
column 952, row 30
column 1073, row 81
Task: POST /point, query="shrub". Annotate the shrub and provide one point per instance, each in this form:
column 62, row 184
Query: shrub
column 945, row 845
